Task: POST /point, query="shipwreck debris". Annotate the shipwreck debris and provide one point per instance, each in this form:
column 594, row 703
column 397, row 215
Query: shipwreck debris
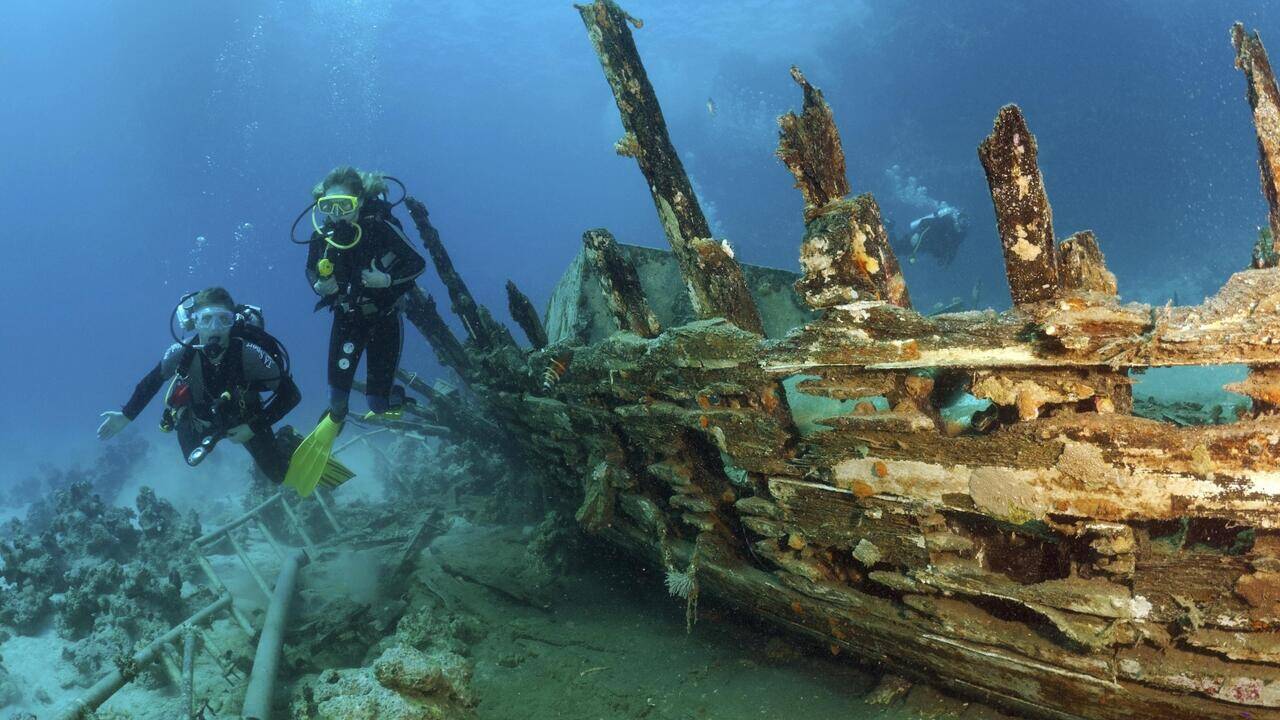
column 526, row 316
column 1023, row 216
column 1264, row 100
column 715, row 283
column 620, row 284
column 846, row 254
column 1082, row 267
column 1058, row 555
column 810, row 147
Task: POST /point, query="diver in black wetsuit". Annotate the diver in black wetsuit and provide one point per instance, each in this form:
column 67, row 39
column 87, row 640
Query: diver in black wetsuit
column 217, row 381
column 361, row 264
column 939, row 234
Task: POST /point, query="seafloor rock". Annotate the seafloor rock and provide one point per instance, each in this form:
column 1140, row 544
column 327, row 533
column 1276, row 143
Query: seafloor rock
column 407, row 670
column 430, row 626
column 402, row 684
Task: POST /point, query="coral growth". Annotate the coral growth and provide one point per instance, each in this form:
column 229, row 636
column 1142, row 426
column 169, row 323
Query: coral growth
column 114, row 583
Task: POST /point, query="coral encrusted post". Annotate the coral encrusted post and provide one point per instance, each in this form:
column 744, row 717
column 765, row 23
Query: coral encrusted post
column 716, row 285
column 1264, row 99
column 620, row 283
column 523, row 312
column 1023, row 216
column 845, row 254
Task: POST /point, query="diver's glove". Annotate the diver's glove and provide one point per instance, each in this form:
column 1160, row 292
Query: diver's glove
column 240, row 434
column 326, row 286
column 374, row 278
column 115, row 422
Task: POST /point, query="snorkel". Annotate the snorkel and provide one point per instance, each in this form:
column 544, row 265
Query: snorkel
column 342, row 212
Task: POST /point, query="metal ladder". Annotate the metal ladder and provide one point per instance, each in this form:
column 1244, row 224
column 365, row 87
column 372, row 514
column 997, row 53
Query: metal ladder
column 178, row 661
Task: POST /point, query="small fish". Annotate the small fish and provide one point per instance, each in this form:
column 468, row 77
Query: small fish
column 711, row 107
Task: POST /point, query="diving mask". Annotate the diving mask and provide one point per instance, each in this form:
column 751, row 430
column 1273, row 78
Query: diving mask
column 213, row 319
column 342, row 211
column 339, row 207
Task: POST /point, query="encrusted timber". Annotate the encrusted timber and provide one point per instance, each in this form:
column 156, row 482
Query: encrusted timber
column 717, row 287
column 1082, row 267
column 703, row 378
column 1029, row 392
column 1109, row 467
column 1095, row 627
column 1264, row 100
column 620, row 284
column 967, row 651
column 526, row 316
column 484, row 331
column 809, row 145
column 1240, row 324
column 845, row 254
column 1023, row 216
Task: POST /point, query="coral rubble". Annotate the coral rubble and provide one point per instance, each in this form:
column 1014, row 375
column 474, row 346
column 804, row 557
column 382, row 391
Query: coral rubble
column 102, row 581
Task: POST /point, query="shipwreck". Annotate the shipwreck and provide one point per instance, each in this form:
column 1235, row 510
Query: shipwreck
column 787, row 443
column 783, row 443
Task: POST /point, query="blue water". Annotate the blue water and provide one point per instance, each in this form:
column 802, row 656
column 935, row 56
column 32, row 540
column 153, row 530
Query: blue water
column 153, row 148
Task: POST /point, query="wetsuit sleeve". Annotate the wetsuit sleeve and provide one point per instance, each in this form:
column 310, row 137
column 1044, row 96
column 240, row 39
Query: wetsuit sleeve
column 152, row 382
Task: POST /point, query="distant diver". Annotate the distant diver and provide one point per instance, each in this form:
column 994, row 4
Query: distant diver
column 939, row 234
column 361, row 264
column 216, row 381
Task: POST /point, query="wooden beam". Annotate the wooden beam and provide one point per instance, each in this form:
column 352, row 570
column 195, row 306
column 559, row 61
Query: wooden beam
column 809, row 145
column 483, row 330
column 716, row 285
column 620, row 283
column 1082, row 266
column 845, row 254
column 1240, row 324
column 421, row 310
column 1264, row 100
column 1023, row 216
column 523, row 312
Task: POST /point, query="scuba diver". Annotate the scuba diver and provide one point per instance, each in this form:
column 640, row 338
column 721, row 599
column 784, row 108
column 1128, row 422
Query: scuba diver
column 361, row 264
column 216, row 383
column 938, row 234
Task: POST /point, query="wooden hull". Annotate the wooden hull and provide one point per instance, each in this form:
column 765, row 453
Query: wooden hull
column 1051, row 553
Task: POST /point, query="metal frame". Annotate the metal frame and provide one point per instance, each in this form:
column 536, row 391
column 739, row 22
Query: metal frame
column 179, row 661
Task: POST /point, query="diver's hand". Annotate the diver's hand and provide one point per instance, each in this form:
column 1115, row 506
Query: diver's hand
column 115, row 422
column 240, row 434
column 326, row 286
column 374, row 278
